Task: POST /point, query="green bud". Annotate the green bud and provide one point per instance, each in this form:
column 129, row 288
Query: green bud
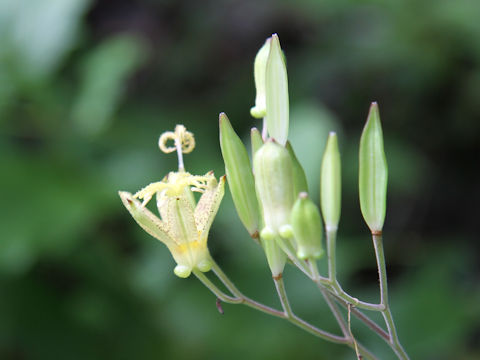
column 299, row 178
column 276, row 258
column 259, row 110
column 239, row 176
column 276, row 93
column 307, row 228
column 373, row 172
column 256, row 140
column 274, row 183
column 331, row 183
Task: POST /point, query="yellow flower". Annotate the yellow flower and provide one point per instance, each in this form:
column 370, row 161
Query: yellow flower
column 183, row 224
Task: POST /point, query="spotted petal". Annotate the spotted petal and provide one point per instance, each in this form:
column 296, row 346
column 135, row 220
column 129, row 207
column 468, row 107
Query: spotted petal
column 208, row 205
column 180, row 220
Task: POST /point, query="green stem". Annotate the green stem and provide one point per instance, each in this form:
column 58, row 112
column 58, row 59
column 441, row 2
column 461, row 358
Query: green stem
column 331, row 254
column 242, row 299
column 213, row 288
column 224, row 279
column 300, row 264
column 366, row 320
column 238, row 299
column 332, row 276
column 336, row 313
column 345, row 299
column 343, row 325
column 346, row 339
column 387, row 314
column 290, row 316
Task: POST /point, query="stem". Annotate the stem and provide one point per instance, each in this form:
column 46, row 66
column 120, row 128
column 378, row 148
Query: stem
column 331, row 255
column 300, row 264
column 238, row 299
column 345, row 299
column 367, row 321
column 353, row 300
column 387, row 314
column 264, row 129
column 382, row 269
column 287, row 314
column 213, row 288
column 336, row 313
column 242, row 299
column 332, row 276
column 346, row 339
column 282, row 295
column 290, row 316
column 361, row 316
column 224, row 279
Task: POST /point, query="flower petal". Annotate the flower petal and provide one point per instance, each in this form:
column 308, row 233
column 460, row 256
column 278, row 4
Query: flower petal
column 180, row 220
column 208, row 205
column 146, row 219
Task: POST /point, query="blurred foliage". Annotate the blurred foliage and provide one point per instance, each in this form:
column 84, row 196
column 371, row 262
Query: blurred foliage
column 86, row 87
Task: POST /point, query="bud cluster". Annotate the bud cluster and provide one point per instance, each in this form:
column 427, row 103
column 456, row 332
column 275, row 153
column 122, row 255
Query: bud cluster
column 271, row 192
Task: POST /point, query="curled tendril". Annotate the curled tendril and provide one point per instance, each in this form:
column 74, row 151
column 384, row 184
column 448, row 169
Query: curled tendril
column 182, row 139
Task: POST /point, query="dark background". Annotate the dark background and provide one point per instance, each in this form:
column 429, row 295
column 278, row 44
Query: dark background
column 86, row 88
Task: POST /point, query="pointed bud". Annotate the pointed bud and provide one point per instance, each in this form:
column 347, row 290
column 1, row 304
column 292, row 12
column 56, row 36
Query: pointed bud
column 256, row 140
column 276, row 258
column 239, row 176
column 274, row 184
column 307, row 228
column 373, row 172
column 331, row 183
column 299, row 178
column 259, row 68
column 276, row 92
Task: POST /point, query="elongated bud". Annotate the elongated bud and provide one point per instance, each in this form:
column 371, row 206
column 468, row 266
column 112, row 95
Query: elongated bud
column 259, row 68
column 276, row 93
column 373, row 172
column 276, row 258
column 331, row 183
column 307, row 228
column 274, row 183
column 299, row 178
column 239, row 176
column 256, row 139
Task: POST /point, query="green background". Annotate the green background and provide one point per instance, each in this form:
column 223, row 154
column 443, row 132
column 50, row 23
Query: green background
column 86, row 88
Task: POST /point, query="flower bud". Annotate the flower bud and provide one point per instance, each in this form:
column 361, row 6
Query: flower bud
column 276, row 93
column 331, row 183
column 259, row 110
column 307, row 228
column 276, row 258
column 373, row 172
column 239, row 176
column 299, row 178
column 256, row 140
column 274, row 184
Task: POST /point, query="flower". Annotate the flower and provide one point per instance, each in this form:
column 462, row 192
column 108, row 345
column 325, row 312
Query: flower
column 183, row 225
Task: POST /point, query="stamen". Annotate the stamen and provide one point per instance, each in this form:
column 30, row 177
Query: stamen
column 173, row 184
